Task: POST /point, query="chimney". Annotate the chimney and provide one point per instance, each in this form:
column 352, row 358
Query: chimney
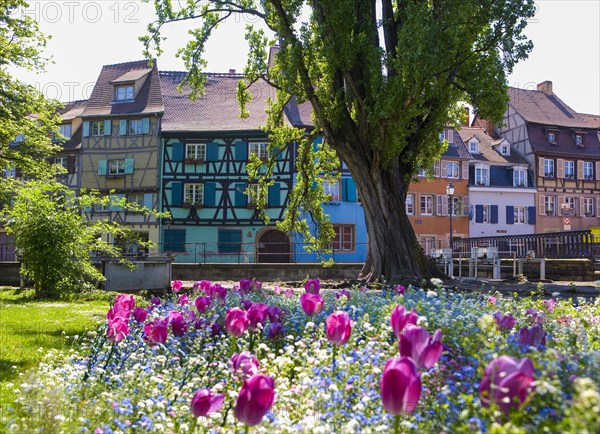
column 546, row 87
column 232, row 71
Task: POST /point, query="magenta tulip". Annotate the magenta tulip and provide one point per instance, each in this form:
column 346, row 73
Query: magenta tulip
column 312, row 286
column 311, row 303
column 156, row 331
column 117, row 312
column 416, row 343
column 140, row 314
column 507, row 383
column 183, row 299
column 338, row 327
column 217, row 291
column 244, row 287
column 205, row 403
column 342, row 293
column 257, row 314
column 202, row 303
column 155, row 301
column 236, row 322
column 255, row 399
column 118, row 328
column 535, row 316
column 400, row 318
column 504, row 322
column 400, row 386
column 179, row 326
column 275, row 330
column 244, row 363
column 534, row 336
column 400, row 289
column 124, row 301
column 276, row 314
column 176, row 285
column 215, row 329
column 549, row 305
column 245, row 304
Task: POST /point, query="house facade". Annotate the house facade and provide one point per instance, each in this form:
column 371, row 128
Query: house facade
column 69, row 155
column 563, row 148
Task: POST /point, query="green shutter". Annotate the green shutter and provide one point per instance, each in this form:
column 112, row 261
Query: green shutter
column 176, row 193
column 275, row 194
column 174, row 240
column 348, row 190
column 230, row 240
column 122, row 127
column 210, row 192
column 129, row 165
column 212, row 151
column 86, row 129
column 145, row 125
column 102, row 166
column 240, row 199
column 148, row 200
column 241, row 151
column 177, row 151
column 107, row 127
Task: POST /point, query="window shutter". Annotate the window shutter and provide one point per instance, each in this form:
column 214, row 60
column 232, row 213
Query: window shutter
column 597, row 170
column 478, row 213
column 597, row 206
column 129, row 165
column 116, row 197
column 494, row 214
column 212, row 151
column 450, row 135
column 316, row 143
column 445, row 205
column 445, row 169
column 510, row 215
column 86, row 129
column 240, row 198
column 561, row 200
column 177, row 151
column 541, row 166
column 542, row 204
column 436, row 168
column 465, row 206
column 465, row 170
column 531, row 215
column 438, row 204
column 348, row 190
column 176, row 193
column 102, row 165
column 148, row 200
column 123, row 127
column 71, row 164
column 560, row 168
column 145, row 125
column 580, row 169
column 582, row 207
column 174, row 240
column 241, row 151
column 275, row 194
column 107, row 127
column 210, row 193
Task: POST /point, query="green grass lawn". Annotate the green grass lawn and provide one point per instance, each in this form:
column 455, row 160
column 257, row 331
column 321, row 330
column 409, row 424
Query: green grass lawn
column 30, row 327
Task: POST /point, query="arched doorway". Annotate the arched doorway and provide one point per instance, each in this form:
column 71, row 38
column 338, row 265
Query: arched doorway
column 273, row 247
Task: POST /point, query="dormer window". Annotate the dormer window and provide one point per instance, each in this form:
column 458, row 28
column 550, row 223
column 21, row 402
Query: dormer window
column 505, row 149
column 474, row 147
column 552, row 138
column 65, row 130
column 578, row 139
column 124, row 93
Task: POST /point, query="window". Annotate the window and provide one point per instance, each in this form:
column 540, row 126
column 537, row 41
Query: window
column 20, row 138
column 578, row 140
column 588, row 207
column 253, row 194
column 426, row 204
column 456, row 205
column 452, row 167
column 116, row 167
column 332, row 189
column 137, row 198
column 9, row 172
column 549, row 204
column 230, row 241
column 410, row 204
column 344, row 238
column 194, row 194
column 124, row 93
column 195, row 151
column 98, row 128
column 520, row 215
column 102, row 207
column 505, row 149
column 588, row 170
column 135, row 126
column 548, row 168
column 474, row 147
column 552, row 138
column 65, row 130
column 481, row 175
column 519, row 177
column 62, row 161
column 422, row 173
column 486, row 214
column 260, row 150
column 568, row 207
column 569, row 169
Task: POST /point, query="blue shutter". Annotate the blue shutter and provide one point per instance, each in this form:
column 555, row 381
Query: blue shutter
column 176, row 193
column 241, row 151
column 275, row 194
column 212, row 151
column 129, row 165
column 316, row 143
column 230, row 241
column 531, row 215
column 510, row 215
column 478, row 213
column 494, row 214
column 210, row 192
column 174, row 240
column 107, row 127
column 122, row 127
column 177, row 151
column 145, row 125
column 102, row 166
column 348, row 190
column 86, row 129
column 240, row 198
column 149, row 200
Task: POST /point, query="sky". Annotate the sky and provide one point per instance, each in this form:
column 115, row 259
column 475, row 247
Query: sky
column 86, row 34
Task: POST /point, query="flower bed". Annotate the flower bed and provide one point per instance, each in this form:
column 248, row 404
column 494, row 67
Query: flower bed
column 241, row 359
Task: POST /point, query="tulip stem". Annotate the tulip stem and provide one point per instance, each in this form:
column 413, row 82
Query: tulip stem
column 334, row 356
column 246, row 428
column 397, row 424
column 233, row 345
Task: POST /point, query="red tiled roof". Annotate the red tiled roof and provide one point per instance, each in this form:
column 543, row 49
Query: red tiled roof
column 71, row 110
column 487, row 151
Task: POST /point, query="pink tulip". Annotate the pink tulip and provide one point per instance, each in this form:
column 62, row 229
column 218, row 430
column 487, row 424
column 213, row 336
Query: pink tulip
column 217, row 291
column 140, row 314
column 311, row 303
column 400, row 289
column 276, row 314
column 245, row 286
column 534, row 336
column 257, row 314
column 338, row 327
column 535, row 316
column 118, row 328
column 549, row 305
column 507, row 383
column 117, row 312
column 205, row 403
column 289, row 292
column 183, row 299
column 255, row 399
column 244, row 363
column 505, row 322
column 202, row 303
column 255, row 285
column 275, row 330
column 236, row 322
column 124, row 301
column 245, row 304
column 156, row 331
column 400, row 386
column 400, row 318
column 416, row 343
column 179, row 326
column 176, row 285
column 312, row 286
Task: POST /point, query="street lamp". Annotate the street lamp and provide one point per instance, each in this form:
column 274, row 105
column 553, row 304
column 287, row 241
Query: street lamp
column 450, row 193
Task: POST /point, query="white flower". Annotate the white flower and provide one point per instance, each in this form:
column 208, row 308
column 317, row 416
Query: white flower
column 431, row 294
